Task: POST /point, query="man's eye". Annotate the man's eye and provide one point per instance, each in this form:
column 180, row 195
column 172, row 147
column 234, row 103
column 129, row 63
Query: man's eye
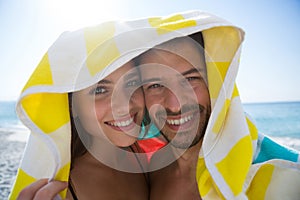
column 192, row 78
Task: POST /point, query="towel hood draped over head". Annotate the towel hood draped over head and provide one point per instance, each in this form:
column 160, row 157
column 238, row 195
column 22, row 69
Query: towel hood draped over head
column 81, row 58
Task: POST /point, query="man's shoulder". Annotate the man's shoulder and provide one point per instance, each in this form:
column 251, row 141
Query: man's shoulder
column 162, row 158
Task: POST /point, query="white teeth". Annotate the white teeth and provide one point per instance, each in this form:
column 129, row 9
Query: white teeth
column 122, row 123
column 179, row 121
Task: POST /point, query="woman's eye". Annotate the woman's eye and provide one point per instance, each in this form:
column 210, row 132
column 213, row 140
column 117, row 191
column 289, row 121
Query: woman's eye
column 99, row 90
column 132, row 83
column 154, row 86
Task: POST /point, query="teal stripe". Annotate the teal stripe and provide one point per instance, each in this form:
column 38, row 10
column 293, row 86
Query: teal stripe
column 151, row 133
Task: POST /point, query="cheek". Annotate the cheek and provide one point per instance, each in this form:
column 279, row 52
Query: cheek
column 93, row 117
column 152, row 102
column 202, row 95
column 101, row 109
column 88, row 119
column 84, row 109
column 92, row 113
column 138, row 99
column 155, row 106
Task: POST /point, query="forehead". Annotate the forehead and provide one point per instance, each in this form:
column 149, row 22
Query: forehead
column 121, row 72
column 125, row 72
column 178, row 55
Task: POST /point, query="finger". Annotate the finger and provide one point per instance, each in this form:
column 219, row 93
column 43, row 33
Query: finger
column 49, row 191
column 29, row 191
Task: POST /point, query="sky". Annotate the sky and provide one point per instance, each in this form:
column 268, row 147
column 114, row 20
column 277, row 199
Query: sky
column 269, row 69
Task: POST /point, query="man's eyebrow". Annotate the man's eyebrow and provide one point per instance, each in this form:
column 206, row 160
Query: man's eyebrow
column 191, row 71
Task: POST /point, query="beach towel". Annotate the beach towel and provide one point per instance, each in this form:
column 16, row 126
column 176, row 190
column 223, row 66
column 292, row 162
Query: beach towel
column 229, row 166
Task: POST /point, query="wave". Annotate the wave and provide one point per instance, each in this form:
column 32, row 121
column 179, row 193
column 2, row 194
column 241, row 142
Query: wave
column 290, row 142
column 15, row 132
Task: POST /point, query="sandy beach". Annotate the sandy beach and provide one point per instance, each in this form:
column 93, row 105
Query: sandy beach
column 13, row 143
column 11, row 150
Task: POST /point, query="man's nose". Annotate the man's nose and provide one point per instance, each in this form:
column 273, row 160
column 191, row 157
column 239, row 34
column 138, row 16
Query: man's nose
column 173, row 101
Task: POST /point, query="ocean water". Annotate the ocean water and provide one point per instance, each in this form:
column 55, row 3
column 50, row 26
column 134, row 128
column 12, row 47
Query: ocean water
column 10, row 124
column 8, row 117
column 12, row 136
column 280, row 120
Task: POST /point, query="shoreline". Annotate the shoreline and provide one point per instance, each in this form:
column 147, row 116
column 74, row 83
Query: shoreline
column 13, row 143
column 11, row 151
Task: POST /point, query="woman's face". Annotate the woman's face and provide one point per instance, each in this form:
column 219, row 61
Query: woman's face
column 113, row 107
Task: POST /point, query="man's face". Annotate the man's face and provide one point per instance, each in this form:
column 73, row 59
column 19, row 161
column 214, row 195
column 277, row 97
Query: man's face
column 176, row 92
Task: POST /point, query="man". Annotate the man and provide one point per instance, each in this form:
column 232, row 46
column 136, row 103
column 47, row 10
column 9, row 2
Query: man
column 175, row 81
column 179, row 104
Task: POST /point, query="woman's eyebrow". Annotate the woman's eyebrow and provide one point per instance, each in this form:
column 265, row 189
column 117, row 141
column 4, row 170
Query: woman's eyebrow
column 105, row 81
column 131, row 75
column 146, row 81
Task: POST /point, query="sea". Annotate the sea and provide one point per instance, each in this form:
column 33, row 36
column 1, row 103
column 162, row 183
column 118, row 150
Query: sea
column 9, row 122
column 279, row 120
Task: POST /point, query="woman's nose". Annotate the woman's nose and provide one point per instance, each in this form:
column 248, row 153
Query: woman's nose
column 120, row 102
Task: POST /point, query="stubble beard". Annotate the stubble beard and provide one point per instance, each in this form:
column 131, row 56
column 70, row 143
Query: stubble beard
column 187, row 139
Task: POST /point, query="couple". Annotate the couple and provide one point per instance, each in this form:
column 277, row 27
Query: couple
column 93, row 86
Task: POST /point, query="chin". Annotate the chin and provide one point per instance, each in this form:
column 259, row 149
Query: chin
column 125, row 142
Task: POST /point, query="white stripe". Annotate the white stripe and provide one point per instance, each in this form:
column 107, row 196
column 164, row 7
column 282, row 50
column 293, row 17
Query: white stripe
column 284, row 185
column 66, row 57
column 231, row 133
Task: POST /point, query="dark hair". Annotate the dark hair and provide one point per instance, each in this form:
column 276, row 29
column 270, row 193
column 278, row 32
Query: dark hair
column 77, row 147
column 198, row 37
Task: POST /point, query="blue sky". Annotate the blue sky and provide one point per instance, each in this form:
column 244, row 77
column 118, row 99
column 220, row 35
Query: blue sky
column 269, row 69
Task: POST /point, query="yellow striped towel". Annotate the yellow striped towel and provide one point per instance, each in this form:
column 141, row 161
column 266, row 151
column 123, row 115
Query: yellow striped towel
column 81, row 58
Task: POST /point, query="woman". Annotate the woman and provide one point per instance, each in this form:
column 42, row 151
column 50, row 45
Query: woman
column 119, row 122
column 86, row 91
column 100, row 119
